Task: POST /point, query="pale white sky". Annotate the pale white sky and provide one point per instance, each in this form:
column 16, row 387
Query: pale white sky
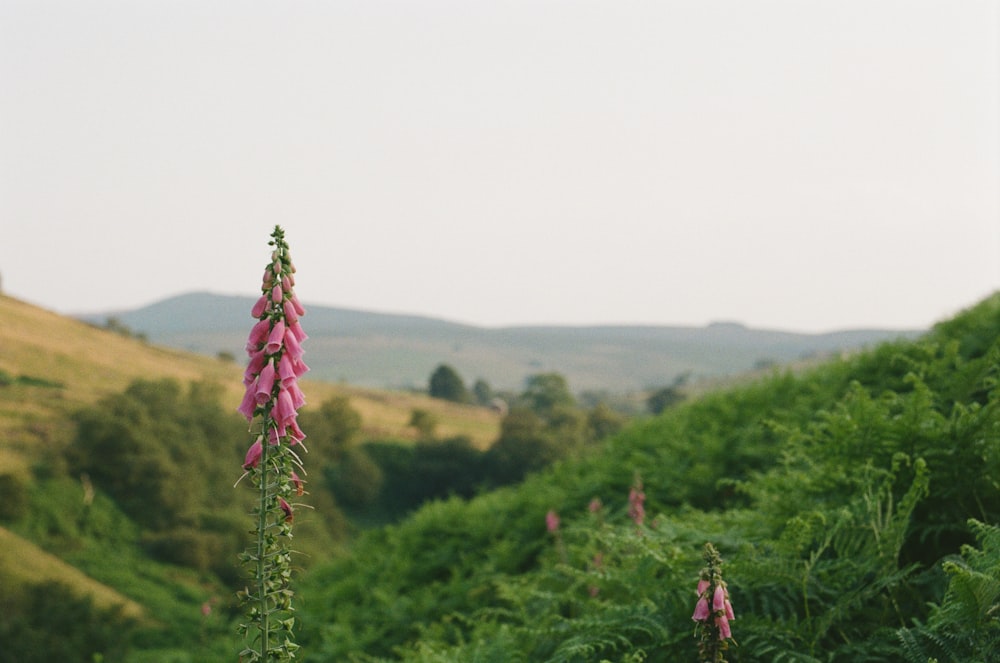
column 795, row 164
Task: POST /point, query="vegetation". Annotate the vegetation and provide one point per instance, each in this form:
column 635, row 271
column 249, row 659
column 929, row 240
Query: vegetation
column 855, row 507
column 840, row 500
column 446, row 383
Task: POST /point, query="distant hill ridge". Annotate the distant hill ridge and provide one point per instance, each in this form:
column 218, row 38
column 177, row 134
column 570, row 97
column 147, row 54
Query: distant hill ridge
column 401, row 351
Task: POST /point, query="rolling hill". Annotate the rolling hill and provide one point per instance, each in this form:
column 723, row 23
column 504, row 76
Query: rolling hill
column 382, row 350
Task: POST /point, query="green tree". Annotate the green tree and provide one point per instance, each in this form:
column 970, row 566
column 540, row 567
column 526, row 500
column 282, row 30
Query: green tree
column 545, row 393
column 523, row 446
column 331, row 428
column 667, row 397
column 482, row 392
column 445, row 383
column 604, row 422
column 424, row 421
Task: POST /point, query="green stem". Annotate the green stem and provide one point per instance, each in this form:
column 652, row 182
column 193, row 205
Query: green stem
column 262, row 510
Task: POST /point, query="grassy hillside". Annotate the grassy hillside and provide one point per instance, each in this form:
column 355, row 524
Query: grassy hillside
column 855, row 505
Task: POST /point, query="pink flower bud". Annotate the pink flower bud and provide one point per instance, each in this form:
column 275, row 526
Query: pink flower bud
column 287, row 508
column 298, row 306
column 297, row 482
column 276, row 294
column 259, row 307
column 295, row 434
column 291, row 316
column 702, row 586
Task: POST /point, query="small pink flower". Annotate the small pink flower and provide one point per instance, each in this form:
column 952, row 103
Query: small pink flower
column 296, row 329
column 276, row 294
column 298, row 398
column 299, row 490
column 284, row 410
column 702, row 586
column 552, row 521
column 729, row 610
column 256, row 363
column 265, row 383
column 286, row 370
column 636, row 511
column 701, row 611
column 595, row 505
column 293, row 347
column 249, row 404
column 253, row 455
column 276, row 338
column 719, row 599
column 724, row 630
column 257, row 335
column 206, row 609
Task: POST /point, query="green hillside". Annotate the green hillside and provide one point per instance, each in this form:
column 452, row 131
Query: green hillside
column 856, row 507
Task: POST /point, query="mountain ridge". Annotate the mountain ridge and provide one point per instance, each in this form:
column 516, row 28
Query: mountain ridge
column 387, row 350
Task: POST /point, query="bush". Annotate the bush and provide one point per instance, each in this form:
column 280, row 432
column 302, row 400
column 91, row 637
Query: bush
column 14, row 498
column 49, row 622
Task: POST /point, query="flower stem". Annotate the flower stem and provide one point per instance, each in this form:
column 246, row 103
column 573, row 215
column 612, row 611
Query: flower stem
column 262, row 571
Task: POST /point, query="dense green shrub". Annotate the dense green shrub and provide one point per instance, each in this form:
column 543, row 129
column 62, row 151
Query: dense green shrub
column 834, row 495
column 48, row 622
column 13, row 495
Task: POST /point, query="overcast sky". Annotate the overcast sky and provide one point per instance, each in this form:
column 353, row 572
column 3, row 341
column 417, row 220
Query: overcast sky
column 797, row 164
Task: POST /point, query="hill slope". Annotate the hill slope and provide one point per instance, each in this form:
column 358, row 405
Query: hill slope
column 384, row 350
